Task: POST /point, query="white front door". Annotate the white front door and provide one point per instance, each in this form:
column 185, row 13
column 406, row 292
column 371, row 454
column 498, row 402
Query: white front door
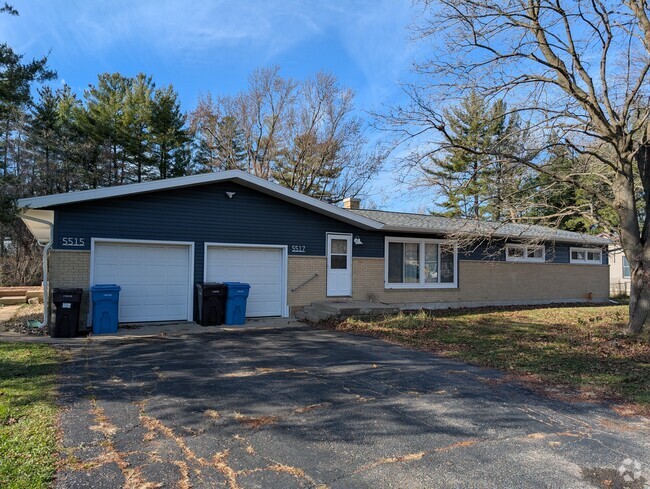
column 339, row 265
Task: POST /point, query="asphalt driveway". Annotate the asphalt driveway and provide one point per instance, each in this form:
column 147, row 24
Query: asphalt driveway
column 300, row 407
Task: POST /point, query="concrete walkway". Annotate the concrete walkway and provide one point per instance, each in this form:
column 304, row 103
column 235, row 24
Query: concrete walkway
column 153, row 330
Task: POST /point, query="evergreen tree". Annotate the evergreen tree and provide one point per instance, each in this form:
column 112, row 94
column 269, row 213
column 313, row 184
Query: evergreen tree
column 461, row 174
column 43, row 140
column 103, row 121
column 78, row 152
column 169, row 136
column 472, row 183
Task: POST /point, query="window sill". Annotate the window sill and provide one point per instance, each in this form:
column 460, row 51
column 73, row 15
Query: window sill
column 419, row 286
column 522, row 260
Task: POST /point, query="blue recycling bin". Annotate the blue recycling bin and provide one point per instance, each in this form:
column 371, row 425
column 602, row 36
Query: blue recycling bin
column 236, row 302
column 106, row 298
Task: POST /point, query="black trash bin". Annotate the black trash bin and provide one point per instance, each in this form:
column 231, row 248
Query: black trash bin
column 212, row 300
column 67, row 303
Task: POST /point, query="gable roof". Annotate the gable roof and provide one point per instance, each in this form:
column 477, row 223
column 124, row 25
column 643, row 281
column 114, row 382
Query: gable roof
column 39, row 209
column 405, row 222
column 238, row 176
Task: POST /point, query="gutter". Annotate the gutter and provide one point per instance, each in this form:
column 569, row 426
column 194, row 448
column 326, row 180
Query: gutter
column 46, row 250
column 558, row 239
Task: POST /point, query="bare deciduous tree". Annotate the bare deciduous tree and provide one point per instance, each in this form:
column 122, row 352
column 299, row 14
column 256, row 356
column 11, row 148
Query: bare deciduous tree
column 302, row 135
column 575, row 71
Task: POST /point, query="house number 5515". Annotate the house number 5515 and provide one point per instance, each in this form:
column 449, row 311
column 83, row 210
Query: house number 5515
column 73, row 242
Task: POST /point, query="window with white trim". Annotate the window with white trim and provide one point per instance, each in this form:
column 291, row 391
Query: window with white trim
column 421, row 263
column 586, row 256
column 529, row 253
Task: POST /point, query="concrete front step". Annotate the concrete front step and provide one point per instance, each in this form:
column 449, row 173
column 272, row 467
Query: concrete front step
column 311, row 316
column 356, row 308
column 13, row 300
column 319, row 311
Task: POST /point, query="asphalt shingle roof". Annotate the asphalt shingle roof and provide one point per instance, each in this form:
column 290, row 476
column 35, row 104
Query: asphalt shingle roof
column 401, row 221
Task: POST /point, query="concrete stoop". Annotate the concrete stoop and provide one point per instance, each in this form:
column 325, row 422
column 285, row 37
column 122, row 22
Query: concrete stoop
column 322, row 310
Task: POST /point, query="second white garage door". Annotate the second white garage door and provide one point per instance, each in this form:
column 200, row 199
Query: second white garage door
column 156, row 279
column 262, row 268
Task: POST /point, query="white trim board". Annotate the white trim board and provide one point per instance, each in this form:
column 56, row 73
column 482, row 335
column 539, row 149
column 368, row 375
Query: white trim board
column 285, row 265
column 189, row 244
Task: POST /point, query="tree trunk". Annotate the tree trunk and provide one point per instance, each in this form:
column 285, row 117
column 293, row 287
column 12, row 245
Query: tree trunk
column 639, row 301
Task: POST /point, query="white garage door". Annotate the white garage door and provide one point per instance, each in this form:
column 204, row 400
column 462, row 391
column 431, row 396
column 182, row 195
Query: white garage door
column 155, row 279
column 262, row 268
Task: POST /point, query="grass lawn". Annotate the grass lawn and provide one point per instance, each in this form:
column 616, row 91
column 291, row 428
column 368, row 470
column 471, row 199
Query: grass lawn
column 28, row 437
column 583, row 348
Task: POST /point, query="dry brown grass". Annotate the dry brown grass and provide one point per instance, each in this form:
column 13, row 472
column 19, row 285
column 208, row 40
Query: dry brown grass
column 256, row 422
column 576, row 353
column 261, row 371
column 311, row 407
column 211, row 413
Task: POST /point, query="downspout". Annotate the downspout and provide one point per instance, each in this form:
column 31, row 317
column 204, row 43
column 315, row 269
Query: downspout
column 46, row 250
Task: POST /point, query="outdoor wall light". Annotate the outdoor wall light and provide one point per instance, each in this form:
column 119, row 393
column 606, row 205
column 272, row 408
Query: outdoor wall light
column 357, row 240
column 230, row 194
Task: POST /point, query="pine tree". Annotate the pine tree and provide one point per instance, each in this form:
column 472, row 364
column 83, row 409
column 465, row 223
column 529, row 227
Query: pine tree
column 135, row 126
column 461, row 174
column 43, row 140
column 103, row 121
column 472, row 182
column 169, row 136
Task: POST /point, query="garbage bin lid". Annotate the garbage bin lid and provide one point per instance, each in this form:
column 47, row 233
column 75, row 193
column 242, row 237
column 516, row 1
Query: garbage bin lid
column 236, row 284
column 106, row 287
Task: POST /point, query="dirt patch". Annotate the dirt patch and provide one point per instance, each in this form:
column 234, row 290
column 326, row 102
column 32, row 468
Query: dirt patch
column 19, row 322
column 311, row 407
column 256, row 422
column 261, row 371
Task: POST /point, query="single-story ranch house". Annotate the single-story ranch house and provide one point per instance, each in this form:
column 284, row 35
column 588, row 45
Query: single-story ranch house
column 157, row 239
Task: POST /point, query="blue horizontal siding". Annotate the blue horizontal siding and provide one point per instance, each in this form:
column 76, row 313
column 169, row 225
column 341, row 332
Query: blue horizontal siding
column 205, row 214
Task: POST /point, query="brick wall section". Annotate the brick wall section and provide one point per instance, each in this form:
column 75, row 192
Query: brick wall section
column 71, row 269
column 479, row 281
column 301, row 269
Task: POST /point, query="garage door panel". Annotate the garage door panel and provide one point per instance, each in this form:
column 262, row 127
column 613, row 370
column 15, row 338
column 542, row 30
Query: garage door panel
column 155, row 279
column 262, row 268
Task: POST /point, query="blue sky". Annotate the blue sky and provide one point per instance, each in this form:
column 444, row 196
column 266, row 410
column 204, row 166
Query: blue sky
column 214, row 45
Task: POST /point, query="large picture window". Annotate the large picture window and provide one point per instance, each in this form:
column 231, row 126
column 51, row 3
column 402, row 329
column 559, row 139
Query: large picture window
column 586, row 256
column 421, row 263
column 520, row 252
